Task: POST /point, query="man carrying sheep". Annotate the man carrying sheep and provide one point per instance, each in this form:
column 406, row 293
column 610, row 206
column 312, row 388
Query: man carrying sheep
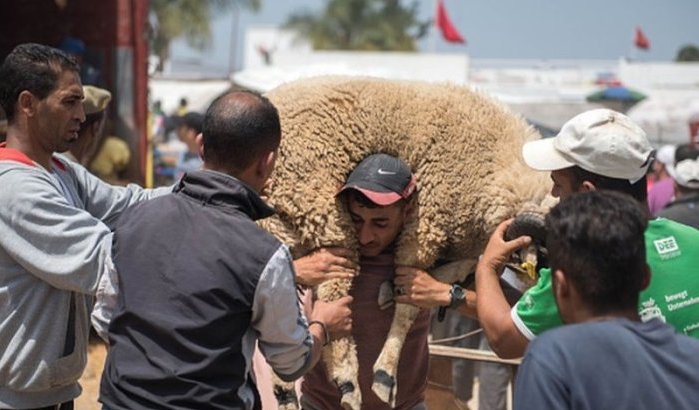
column 596, row 150
column 379, row 197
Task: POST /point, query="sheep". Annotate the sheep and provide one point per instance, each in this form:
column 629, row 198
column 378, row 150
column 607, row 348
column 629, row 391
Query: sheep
column 464, row 148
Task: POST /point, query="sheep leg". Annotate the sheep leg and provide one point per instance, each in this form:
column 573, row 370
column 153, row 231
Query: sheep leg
column 340, row 356
column 341, row 362
column 385, row 383
column 386, row 366
column 285, row 393
column 453, row 271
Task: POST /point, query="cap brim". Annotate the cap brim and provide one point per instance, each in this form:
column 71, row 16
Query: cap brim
column 543, row 156
column 379, row 198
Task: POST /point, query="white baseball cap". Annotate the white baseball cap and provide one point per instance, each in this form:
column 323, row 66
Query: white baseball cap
column 686, row 173
column 600, row 141
column 666, row 154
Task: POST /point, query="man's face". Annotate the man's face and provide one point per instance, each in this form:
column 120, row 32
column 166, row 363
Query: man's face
column 377, row 227
column 58, row 116
column 564, row 184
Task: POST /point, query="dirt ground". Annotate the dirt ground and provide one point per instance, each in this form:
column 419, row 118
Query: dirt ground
column 438, row 397
column 90, row 380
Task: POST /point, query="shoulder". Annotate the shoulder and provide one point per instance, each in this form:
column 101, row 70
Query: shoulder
column 667, row 239
column 25, row 183
column 143, row 215
column 604, row 335
column 661, row 226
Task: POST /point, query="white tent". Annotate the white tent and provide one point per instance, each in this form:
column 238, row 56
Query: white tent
column 665, row 118
column 199, row 93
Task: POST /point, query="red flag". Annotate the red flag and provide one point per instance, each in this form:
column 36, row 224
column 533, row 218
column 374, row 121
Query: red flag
column 640, row 40
column 449, row 32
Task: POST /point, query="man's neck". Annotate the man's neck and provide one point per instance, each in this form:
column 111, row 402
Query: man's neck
column 585, row 315
column 19, row 140
column 244, row 176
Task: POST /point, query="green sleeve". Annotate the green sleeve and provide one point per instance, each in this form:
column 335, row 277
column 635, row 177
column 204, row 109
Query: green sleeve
column 536, row 310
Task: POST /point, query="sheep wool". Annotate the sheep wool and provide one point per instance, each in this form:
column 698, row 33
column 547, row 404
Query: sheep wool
column 464, row 148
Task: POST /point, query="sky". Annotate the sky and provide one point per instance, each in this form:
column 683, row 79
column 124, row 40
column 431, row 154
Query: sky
column 506, row 29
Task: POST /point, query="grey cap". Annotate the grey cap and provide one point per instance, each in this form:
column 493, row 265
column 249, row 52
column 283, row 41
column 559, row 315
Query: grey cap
column 382, row 178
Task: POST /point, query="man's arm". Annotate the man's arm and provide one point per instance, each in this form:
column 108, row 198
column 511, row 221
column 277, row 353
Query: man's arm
column 107, row 202
column 58, row 243
column 418, row 287
column 493, row 309
column 286, row 341
column 324, row 264
column 105, row 300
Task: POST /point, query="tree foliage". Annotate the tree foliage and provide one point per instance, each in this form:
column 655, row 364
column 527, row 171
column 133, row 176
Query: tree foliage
column 188, row 18
column 361, row 25
column 689, row 52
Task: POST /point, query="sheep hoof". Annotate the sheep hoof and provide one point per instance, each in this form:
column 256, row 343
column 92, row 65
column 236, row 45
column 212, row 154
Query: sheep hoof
column 384, row 387
column 351, row 399
column 386, row 295
column 286, row 399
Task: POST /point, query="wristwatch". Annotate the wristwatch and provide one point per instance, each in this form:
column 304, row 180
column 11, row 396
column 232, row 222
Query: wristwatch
column 457, row 297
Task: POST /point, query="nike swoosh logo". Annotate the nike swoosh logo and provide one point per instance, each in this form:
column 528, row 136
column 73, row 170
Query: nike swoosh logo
column 382, row 172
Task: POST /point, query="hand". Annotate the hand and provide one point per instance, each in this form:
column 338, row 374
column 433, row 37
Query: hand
column 497, row 251
column 419, row 288
column 324, row 264
column 336, row 315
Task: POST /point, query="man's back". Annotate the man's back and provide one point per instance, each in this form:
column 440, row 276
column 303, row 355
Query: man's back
column 610, row 364
column 672, row 252
column 184, row 328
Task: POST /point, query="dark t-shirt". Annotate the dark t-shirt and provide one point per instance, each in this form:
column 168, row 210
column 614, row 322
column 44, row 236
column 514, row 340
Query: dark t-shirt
column 684, row 210
column 611, row 364
column 370, row 328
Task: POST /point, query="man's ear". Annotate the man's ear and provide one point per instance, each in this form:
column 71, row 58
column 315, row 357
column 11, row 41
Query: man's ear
column 561, row 286
column 27, row 103
column 265, row 164
column 410, row 206
column 199, row 139
column 645, row 282
column 587, row 186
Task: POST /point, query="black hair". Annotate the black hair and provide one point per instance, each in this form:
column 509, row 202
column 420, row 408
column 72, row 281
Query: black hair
column 34, row 68
column 686, row 151
column 193, row 120
column 239, row 127
column 596, row 239
column 637, row 190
